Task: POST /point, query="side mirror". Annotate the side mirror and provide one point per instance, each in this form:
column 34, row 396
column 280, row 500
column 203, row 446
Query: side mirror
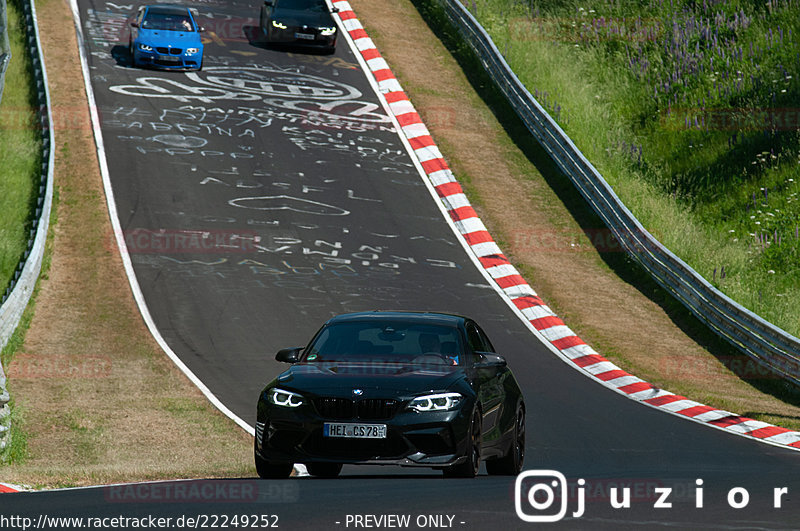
column 289, row 355
column 490, row 359
column 134, row 24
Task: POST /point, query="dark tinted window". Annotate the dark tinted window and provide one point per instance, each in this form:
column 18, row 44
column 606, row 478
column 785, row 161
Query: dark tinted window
column 475, row 339
column 303, row 5
column 384, row 342
column 487, row 345
column 167, row 22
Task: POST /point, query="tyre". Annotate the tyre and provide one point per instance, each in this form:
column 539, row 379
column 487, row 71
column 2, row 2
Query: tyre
column 272, row 470
column 324, row 470
column 511, row 463
column 130, row 52
column 470, row 467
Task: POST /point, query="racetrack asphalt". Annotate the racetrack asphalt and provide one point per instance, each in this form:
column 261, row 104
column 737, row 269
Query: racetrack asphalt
column 270, row 191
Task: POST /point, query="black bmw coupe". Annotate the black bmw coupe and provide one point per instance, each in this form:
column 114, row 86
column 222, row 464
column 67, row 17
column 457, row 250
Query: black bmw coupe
column 305, row 23
column 399, row 388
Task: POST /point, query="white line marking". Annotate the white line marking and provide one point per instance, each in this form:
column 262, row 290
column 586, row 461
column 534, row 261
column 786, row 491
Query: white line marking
column 123, row 248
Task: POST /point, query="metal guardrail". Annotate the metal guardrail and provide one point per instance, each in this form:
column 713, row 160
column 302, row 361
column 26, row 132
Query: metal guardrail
column 15, row 299
column 769, row 345
column 5, row 49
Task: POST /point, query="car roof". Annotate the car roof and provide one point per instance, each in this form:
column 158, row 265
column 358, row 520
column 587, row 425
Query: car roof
column 168, row 9
column 436, row 318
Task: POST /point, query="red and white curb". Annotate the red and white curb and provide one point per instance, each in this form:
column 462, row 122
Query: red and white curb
column 9, row 487
column 548, row 326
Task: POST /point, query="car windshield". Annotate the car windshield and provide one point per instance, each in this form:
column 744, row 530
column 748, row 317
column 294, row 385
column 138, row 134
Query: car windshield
column 167, row 22
column 387, row 342
column 303, row 5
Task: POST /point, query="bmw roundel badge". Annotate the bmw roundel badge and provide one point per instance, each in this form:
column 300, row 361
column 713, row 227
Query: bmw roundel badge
column 358, row 392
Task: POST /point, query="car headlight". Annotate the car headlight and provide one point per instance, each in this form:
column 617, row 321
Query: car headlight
column 279, row 25
column 327, row 31
column 192, row 51
column 438, row 402
column 145, row 47
column 283, row 398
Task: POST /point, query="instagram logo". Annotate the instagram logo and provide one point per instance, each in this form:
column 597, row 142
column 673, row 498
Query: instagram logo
column 540, row 496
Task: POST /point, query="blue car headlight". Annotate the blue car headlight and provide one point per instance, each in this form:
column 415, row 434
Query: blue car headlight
column 437, row 402
column 327, row 31
column 192, row 51
column 283, row 398
column 145, row 47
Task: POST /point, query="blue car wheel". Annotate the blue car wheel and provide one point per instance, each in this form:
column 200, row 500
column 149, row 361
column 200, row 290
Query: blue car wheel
column 130, row 51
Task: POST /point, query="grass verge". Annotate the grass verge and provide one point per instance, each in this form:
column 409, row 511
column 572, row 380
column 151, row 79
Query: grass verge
column 95, row 399
column 20, row 150
column 689, row 110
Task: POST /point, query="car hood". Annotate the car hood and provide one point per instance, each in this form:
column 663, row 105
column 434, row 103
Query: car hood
column 167, row 37
column 299, row 18
column 376, row 380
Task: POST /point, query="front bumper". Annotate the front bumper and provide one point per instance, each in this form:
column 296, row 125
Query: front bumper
column 292, row 36
column 412, row 439
column 167, row 59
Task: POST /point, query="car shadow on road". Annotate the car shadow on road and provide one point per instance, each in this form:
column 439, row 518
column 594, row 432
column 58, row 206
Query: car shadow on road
column 122, row 56
column 255, row 37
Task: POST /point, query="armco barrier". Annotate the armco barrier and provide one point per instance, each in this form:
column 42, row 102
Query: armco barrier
column 766, row 343
column 15, row 299
column 5, row 49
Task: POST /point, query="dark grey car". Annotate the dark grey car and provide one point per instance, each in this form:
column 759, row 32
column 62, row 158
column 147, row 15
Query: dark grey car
column 392, row 388
column 306, row 23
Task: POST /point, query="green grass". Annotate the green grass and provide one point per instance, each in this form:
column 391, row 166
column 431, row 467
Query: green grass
column 626, row 81
column 20, row 152
column 16, row 438
column 16, row 450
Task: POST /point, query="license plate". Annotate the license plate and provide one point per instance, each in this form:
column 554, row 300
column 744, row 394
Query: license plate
column 305, row 36
column 169, row 58
column 354, row 431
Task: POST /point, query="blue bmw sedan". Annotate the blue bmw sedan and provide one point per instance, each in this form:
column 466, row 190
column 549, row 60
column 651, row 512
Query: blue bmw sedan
column 166, row 36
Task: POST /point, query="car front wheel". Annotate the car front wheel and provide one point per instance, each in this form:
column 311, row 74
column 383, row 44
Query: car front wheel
column 267, row 470
column 272, row 470
column 130, row 52
column 511, row 463
column 470, row 467
column 324, row 470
